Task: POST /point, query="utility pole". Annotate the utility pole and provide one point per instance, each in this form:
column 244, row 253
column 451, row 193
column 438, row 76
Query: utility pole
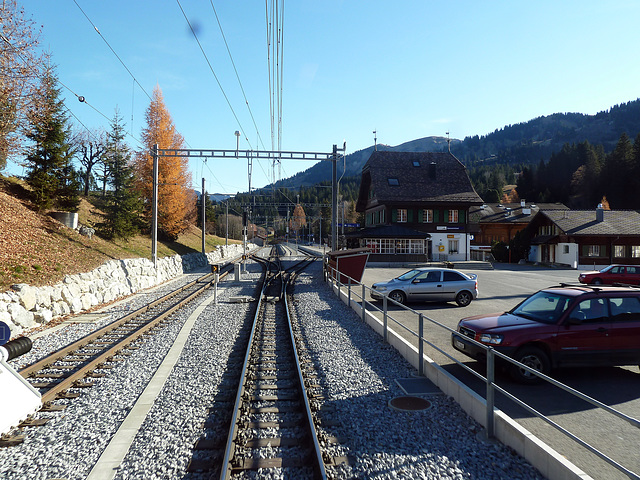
column 204, row 216
column 154, row 214
column 334, row 199
column 226, row 234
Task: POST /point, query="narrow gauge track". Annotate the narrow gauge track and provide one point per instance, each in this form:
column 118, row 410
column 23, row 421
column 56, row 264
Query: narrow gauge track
column 271, row 423
column 73, row 366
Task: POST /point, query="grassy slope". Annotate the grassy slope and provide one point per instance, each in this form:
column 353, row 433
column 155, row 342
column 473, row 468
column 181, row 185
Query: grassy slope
column 37, row 250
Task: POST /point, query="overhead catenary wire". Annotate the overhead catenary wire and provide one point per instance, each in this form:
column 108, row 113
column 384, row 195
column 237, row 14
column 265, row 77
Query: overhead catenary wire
column 275, row 26
column 224, row 38
column 112, row 50
column 214, row 74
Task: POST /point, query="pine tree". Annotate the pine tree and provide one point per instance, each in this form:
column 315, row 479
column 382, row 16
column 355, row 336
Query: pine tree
column 618, row 175
column 176, row 199
column 50, row 172
column 123, row 205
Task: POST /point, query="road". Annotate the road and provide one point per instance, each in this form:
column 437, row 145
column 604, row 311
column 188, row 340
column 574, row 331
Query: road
column 499, row 290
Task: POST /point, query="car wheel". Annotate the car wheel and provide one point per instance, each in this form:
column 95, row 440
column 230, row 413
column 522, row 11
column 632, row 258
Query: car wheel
column 597, row 281
column 464, row 298
column 533, row 358
column 398, row 296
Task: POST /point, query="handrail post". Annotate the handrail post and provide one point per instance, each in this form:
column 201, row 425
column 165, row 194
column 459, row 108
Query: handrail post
column 385, row 319
column 490, row 391
column 364, row 301
column 349, row 292
column 420, row 344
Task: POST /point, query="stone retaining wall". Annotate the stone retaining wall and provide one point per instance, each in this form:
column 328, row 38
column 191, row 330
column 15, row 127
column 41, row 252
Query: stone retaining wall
column 24, row 307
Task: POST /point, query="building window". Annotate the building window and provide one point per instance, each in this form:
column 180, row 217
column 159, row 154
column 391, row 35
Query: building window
column 416, row 246
column 402, row 215
column 594, row 251
column 453, row 216
column 416, row 163
column 427, row 216
column 393, row 181
column 386, row 245
column 635, row 251
column 565, row 249
column 453, row 246
column 402, row 246
column 618, row 251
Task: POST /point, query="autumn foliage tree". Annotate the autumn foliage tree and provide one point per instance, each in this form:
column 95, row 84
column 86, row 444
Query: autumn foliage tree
column 20, row 70
column 176, row 199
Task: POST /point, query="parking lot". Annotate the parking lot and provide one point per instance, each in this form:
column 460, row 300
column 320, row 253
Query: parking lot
column 498, row 291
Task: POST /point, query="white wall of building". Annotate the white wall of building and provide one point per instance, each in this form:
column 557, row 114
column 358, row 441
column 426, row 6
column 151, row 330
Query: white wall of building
column 567, row 254
column 440, row 242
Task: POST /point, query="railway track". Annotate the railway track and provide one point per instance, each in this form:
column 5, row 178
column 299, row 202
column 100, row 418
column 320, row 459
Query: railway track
column 62, row 374
column 270, row 419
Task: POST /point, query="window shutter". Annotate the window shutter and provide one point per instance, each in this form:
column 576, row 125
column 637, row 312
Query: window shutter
column 445, row 216
column 420, row 215
column 436, row 216
column 410, row 215
column 603, row 251
column 394, row 215
column 461, row 214
column 585, row 250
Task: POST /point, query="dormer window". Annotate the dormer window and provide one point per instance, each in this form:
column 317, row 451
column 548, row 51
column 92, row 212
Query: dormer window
column 393, row 181
column 416, row 163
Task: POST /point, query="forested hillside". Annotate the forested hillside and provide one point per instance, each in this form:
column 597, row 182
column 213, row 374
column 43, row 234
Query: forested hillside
column 557, row 158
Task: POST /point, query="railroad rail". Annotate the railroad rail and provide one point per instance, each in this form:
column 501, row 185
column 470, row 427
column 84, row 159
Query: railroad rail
column 271, row 424
column 74, row 366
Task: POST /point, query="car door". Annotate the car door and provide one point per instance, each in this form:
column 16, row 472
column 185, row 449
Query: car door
column 585, row 337
column 426, row 286
column 453, row 282
column 632, row 275
column 625, row 330
column 614, row 275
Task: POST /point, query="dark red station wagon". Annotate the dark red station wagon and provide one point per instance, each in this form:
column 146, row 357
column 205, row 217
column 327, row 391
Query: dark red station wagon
column 629, row 274
column 562, row 326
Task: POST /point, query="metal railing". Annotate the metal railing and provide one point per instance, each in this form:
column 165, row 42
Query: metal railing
column 353, row 287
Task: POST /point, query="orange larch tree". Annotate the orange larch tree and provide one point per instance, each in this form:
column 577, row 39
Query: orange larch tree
column 176, row 199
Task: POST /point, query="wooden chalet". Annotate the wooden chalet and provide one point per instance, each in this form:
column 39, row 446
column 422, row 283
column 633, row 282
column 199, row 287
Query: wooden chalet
column 416, row 207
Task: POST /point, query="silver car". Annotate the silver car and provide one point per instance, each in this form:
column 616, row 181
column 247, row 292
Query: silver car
column 429, row 285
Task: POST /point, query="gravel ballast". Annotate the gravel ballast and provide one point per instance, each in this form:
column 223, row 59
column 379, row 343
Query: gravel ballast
column 357, row 371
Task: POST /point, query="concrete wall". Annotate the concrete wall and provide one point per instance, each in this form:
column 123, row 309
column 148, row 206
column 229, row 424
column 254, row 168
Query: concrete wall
column 24, row 307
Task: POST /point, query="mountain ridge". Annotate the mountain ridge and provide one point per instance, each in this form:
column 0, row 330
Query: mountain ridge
column 523, row 143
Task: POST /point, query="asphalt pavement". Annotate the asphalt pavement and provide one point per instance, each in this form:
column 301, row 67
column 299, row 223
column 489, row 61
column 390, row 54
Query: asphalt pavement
column 619, row 387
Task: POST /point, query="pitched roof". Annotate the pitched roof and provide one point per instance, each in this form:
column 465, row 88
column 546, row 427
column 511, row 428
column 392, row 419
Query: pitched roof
column 584, row 222
column 417, row 177
column 509, row 212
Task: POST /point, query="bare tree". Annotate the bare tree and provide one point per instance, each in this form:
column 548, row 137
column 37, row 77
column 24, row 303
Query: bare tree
column 91, row 148
column 20, row 72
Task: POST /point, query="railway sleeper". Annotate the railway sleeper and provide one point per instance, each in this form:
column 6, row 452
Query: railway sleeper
column 276, row 462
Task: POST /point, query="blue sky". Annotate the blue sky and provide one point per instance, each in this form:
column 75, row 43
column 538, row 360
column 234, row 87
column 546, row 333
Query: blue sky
column 407, row 69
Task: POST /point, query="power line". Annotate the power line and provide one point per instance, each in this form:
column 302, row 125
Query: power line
column 214, row 74
column 110, row 48
column 237, row 75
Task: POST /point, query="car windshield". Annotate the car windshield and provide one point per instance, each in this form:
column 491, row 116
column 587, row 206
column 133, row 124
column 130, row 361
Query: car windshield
column 606, row 269
column 408, row 275
column 544, row 307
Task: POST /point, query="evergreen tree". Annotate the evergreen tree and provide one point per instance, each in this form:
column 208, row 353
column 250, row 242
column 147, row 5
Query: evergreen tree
column 49, row 170
column 123, row 204
column 618, row 175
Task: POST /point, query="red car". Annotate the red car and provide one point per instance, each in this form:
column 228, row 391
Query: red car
column 563, row 326
column 625, row 274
